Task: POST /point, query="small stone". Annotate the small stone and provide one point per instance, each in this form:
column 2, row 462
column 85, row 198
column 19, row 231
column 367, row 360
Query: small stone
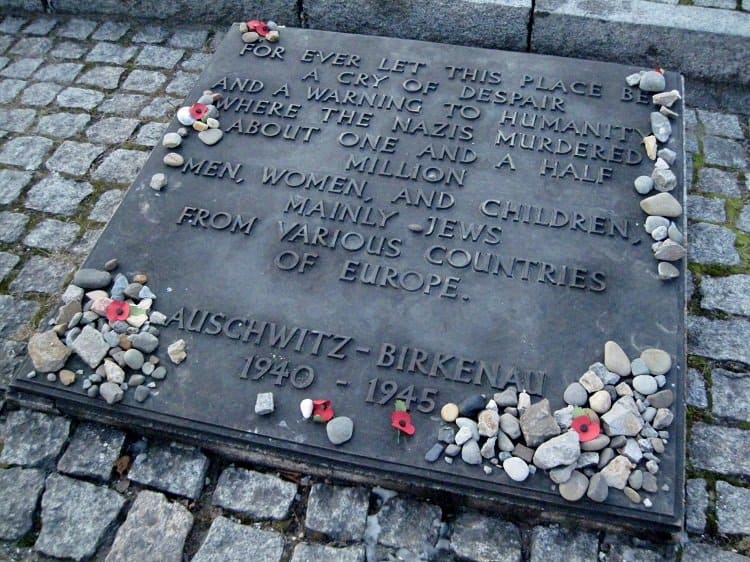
column 664, row 180
column 575, row 394
column 141, row 394
column 668, row 155
column 452, row 450
column 272, row 36
column 174, row 160
column 47, row 352
column 632, row 495
column 598, row 489
column 674, row 233
column 210, row 136
column 605, row 456
column 212, row 123
column 600, row 402
column 111, row 392
column 538, row 424
column 591, row 382
column 182, row 131
column 488, row 449
column 67, row 377
column 435, row 452
column 652, row 223
column 200, row 126
column 670, row 251
column 470, row 453
column 649, row 483
column 160, row 373
column 645, row 384
column 92, row 278
column 659, row 233
column 666, row 99
column 264, row 405
column 306, row 408
column 562, row 474
column 624, row 418
column 176, row 352
column 488, row 423
column 471, row 405
column 649, row 143
column 133, row 359
column 596, row 444
column 615, row 359
column 658, row 361
column 449, row 412
column 508, row 397
column 340, row 430
column 643, row 184
column 668, row 112
column 523, row 452
column 524, row 401
column 516, row 469
column 171, row 140
column 576, row 486
column 561, row 450
column 652, row 81
column 184, row 117
column 51, row 377
column 667, row 271
column 90, row 346
column 663, row 418
column 145, row 342
column 617, row 472
column 564, row 417
column 113, row 372
column 633, row 79
column 136, row 380
column 662, row 204
column 660, row 126
column 250, row 37
column 464, row 435
column 661, row 399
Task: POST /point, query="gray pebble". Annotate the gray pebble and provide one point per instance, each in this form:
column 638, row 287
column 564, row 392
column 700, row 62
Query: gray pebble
column 575, row 394
column 51, row 377
column 141, row 394
column 136, row 380
column 652, row 81
column 92, row 278
column 264, row 403
column 660, row 126
column 470, row 453
column 339, row 430
column 452, row 450
column 86, row 384
column 435, row 452
column 148, row 368
column 133, row 359
column 93, row 391
column 211, row 136
column 643, row 184
column 159, row 373
column 645, row 384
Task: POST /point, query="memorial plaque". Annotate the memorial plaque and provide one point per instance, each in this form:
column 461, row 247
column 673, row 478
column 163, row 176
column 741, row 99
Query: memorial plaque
column 388, row 221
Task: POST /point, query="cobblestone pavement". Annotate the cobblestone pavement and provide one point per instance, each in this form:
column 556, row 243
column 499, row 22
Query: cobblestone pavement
column 83, row 101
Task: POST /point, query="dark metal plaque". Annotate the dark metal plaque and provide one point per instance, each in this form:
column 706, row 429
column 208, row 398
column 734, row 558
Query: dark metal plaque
column 387, row 218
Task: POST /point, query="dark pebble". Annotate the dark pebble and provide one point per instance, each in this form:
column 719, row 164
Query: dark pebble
column 91, row 279
column 111, row 265
column 141, row 394
column 472, row 405
column 434, row 453
column 661, row 399
column 523, row 452
column 93, row 392
column 159, row 373
column 452, row 450
column 446, row 434
column 133, row 290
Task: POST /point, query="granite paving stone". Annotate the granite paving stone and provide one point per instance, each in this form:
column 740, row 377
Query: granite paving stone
column 12, row 353
column 5, row 42
column 161, row 540
column 15, row 313
column 182, row 83
column 111, row 53
column 62, row 125
column 7, row 262
column 3, row 60
column 80, row 98
column 62, row 72
column 51, row 234
column 69, row 50
column 724, row 152
column 159, row 57
column 20, row 489
column 18, row 120
column 696, row 505
column 706, row 209
column 698, row 552
column 189, row 38
column 57, row 195
column 305, row 551
column 146, row 81
column 254, row 494
column 719, row 449
column 77, row 28
column 730, row 394
column 106, row 205
column 424, row 520
column 620, row 552
column 10, row 88
column 37, row 45
column 743, row 221
column 40, row 94
column 712, row 244
column 732, row 509
column 121, row 166
column 729, row 294
column 40, row 26
column 151, row 134
column 42, row 275
column 726, row 4
column 12, row 183
column 25, row 152
column 76, row 517
column 339, row 512
column 482, row 538
column 196, row 62
column 111, row 130
column 22, row 68
column 106, row 77
column 558, row 544
column 12, row 24
column 12, row 226
column 724, row 340
column 228, row 541
column 125, row 105
column 161, row 108
column 150, row 34
column 172, row 468
column 696, row 389
column 34, row 439
column 84, row 246
column 92, row 451
column 74, row 158
column 111, row 31
column 720, row 124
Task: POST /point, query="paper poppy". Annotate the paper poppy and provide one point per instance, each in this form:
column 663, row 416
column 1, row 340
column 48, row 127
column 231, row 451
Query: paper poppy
column 258, row 27
column 586, row 428
column 322, row 411
column 118, row 310
column 198, row 111
column 402, row 422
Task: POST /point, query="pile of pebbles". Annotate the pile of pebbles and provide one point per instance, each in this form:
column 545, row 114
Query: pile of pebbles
column 629, row 402
column 661, row 208
column 119, row 353
column 257, row 30
column 203, row 117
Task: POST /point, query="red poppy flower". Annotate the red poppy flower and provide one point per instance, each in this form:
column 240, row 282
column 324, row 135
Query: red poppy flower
column 402, row 422
column 258, row 27
column 322, row 411
column 252, row 24
column 118, row 310
column 586, row 428
column 198, row 111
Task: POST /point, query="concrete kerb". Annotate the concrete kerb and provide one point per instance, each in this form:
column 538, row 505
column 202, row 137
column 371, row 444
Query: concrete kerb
column 702, row 43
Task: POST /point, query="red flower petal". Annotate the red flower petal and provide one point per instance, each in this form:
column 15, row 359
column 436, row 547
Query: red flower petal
column 322, row 410
column 262, row 30
column 118, row 310
column 402, row 422
column 198, row 110
column 586, row 428
column 252, row 24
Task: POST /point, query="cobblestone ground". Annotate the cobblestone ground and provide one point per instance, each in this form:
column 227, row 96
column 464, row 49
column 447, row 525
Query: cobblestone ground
column 82, row 103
